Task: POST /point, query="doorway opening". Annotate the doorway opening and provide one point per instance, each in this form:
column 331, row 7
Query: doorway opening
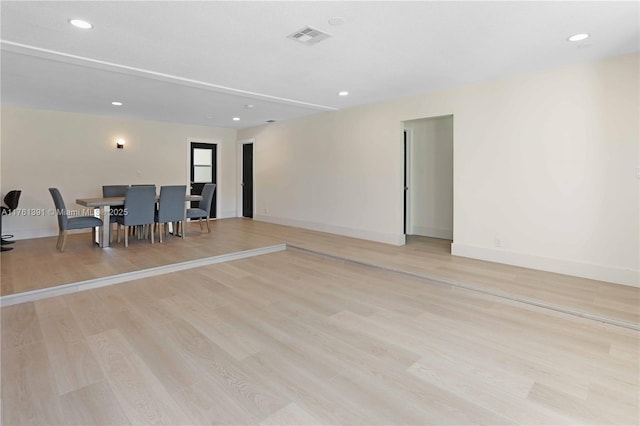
column 246, row 165
column 428, row 178
column 247, row 180
column 203, row 165
column 406, row 183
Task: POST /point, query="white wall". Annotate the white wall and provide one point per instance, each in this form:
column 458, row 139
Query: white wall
column 546, row 163
column 329, row 172
column 77, row 154
column 430, row 195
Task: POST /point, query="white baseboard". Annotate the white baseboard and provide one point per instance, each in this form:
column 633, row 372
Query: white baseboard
column 628, row 277
column 381, row 237
column 226, row 214
column 445, row 234
column 26, row 234
column 30, row 296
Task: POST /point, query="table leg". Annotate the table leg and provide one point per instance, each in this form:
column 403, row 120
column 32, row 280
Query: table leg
column 106, row 227
column 96, row 231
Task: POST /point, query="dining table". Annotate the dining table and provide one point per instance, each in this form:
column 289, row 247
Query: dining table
column 105, row 204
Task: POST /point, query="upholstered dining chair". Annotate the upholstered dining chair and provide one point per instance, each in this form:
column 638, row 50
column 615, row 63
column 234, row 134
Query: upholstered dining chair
column 204, row 206
column 171, row 209
column 113, row 191
column 140, row 207
column 66, row 223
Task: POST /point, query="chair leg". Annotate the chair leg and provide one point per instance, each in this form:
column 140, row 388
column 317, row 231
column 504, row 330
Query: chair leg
column 118, row 232
column 64, row 241
column 182, row 229
column 150, row 232
column 126, row 236
column 200, row 220
column 59, row 240
column 208, row 226
column 110, row 234
column 160, row 231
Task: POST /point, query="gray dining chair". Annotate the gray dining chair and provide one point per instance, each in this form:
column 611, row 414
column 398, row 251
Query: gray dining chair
column 139, row 208
column 171, row 209
column 66, row 223
column 204, row 206
column 113, row 191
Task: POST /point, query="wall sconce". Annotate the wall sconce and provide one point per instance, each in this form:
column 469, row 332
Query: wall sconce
column 120, row 143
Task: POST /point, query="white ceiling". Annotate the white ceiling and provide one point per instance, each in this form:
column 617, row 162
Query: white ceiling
column 202, row 62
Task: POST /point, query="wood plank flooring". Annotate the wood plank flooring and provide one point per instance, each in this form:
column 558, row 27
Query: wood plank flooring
column 35, row 264
column 294, row 338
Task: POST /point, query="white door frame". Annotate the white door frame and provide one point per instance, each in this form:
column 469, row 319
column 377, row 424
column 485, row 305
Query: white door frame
column 239, row 145
column 411, row 153
column 218, row 145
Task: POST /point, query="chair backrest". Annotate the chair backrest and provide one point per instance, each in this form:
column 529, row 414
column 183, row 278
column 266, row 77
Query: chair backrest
column 207, row 196
column 12, row 198
column 114, row 190
column 171, row 203
column 61, row 210
column 140, row 205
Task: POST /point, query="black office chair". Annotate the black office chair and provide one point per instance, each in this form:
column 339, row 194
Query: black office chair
column 11, row 200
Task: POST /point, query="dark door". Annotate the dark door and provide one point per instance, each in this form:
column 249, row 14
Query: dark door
column 247, row 180
column 203, row 170
column 406, row 188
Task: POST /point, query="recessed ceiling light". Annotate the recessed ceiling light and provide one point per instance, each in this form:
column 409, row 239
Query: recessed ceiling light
column 116, row 103
column 578, row 37
column 343, row 93
column 248, row 106
column 236, row 118
column 336, row 21
column 79, row 23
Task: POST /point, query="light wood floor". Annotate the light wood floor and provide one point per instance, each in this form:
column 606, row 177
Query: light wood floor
column 294, row 338
column 35, row 264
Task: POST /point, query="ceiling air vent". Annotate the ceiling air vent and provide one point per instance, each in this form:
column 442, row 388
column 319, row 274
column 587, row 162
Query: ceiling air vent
column 309, row 36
